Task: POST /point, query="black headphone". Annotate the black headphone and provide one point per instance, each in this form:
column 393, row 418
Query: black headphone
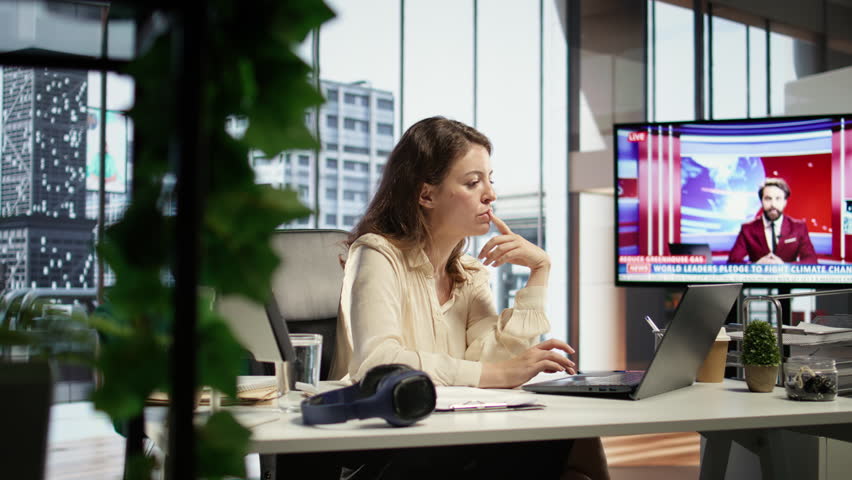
column 395, row 392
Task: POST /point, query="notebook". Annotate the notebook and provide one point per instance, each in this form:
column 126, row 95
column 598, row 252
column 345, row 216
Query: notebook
column 689, row 336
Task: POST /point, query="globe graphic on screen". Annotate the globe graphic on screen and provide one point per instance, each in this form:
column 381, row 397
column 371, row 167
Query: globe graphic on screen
column 719, row 193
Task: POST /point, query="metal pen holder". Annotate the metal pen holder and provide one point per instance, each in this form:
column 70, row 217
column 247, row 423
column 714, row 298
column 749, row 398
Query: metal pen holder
column 775, row 299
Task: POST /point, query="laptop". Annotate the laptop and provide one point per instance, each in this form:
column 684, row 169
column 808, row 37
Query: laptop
column 260, row 329
column 689, row 337
column 702, row 249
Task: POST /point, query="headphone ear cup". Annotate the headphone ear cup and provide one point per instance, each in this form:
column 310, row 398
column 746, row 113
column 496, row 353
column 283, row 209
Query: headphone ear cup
column 375, row 375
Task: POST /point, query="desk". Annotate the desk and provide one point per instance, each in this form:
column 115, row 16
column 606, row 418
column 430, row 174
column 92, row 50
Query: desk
column 718, row 411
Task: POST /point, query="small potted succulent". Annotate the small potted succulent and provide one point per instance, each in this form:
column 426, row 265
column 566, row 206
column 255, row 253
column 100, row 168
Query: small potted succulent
column 760, row 356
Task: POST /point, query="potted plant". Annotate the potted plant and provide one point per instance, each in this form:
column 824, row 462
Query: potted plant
column 760, row 356
column 250, row 69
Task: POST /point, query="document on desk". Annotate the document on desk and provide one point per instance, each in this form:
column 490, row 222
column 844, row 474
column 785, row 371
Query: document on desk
column 469, row 399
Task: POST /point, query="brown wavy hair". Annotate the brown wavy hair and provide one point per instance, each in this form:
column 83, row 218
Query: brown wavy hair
column 423, row 155
column 774, row 182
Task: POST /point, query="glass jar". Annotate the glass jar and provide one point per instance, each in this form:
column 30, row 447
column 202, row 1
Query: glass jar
column 808, row 378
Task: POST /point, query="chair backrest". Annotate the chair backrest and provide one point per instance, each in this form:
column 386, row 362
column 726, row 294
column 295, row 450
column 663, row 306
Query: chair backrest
column 307, row 284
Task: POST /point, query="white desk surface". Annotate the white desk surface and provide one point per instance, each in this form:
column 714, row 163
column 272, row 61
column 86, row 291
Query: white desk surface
column 701, row 407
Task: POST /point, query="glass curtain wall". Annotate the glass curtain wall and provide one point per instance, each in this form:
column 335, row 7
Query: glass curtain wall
column 383, row 67
column 728, row 70
column 793, row 54
column 672, row 85
column 50, row 130
column 758, row 102
column 508, row 81
column 751, row 62
column 747, row 71
column 359, row 65
column 438, row 67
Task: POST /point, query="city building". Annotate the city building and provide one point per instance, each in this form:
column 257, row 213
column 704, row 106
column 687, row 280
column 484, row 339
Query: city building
column 46, row 239
column 356, row 131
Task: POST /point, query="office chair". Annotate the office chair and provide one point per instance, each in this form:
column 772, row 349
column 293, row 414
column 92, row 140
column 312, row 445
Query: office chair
column 306, row 287
column 307, row 284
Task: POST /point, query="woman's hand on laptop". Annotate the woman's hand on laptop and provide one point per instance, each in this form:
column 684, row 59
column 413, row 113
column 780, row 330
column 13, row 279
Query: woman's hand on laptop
column 514, row 372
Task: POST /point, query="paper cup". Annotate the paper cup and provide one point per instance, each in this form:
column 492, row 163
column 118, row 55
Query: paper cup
column 712, row 370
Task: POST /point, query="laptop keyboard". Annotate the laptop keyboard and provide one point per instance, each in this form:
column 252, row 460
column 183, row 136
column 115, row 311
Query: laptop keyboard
column 626, row 378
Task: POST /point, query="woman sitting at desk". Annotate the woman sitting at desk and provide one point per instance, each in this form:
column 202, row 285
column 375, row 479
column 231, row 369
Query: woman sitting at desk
column 410, row 295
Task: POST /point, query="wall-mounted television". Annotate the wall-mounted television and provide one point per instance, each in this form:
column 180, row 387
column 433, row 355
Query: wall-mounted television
column 689, row 207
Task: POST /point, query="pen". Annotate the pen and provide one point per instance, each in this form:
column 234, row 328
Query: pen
column 652, row 324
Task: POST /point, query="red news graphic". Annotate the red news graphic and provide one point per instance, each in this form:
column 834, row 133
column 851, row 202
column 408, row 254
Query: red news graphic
column 639, row 136
column 638, row 268
column 649, row 259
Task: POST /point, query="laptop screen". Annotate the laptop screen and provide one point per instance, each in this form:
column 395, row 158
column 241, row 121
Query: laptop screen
column 689, row 336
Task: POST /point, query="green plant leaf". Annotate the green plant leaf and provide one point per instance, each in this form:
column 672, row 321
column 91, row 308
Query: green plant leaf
column 251, row 69
column 220, row 355
column 311, row 14
column 15, row 337
column 248, row 82
column 760, row 345
column 238, row 226
column 222, row 446
column 132, row 368
column 225, row 173
column 276, row 121
column 139, row 247
column 139, row 467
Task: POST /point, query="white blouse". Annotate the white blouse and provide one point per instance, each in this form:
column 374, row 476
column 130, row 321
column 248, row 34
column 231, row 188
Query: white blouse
column 389, row 313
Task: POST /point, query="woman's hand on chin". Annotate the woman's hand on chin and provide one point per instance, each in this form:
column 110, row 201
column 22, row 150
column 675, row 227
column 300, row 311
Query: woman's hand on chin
column 509, row 247
column 516, row 371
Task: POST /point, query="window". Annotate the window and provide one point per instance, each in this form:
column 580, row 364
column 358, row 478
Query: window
column 439, row 79
column 351, row 149
column 331, row 194
column 447, row 88
column 56, row 252
column 384, row 104
column 729, row 69
column 673, row 85
column 384, row 129
column 260, row 161
column 331, row 121
column 792, row 56
column 304, row 192
column 304, row 160
column 355, row 166
column 355, row 99
column 757, row 71
column 331, row 94
column 357, row 125
column 355, row 195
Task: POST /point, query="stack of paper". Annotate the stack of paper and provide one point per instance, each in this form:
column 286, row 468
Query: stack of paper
column 468, row 399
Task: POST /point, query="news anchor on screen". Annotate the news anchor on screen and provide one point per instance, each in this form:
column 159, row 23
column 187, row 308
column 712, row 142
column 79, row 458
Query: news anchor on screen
column 774, row 237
